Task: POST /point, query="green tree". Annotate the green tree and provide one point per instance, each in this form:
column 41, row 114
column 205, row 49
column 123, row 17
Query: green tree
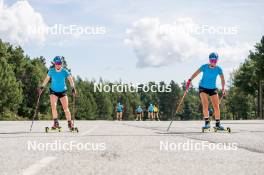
column 250, row 75
column 10, row 89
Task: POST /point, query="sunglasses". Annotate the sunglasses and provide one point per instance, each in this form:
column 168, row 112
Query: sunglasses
column 213, row 61
column 58, row 63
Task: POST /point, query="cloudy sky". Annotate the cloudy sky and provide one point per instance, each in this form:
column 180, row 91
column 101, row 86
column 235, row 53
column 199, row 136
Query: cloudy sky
column 136, row 41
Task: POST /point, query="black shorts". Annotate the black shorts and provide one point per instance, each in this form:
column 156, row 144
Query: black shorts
column 210, row 92
column 58, row 94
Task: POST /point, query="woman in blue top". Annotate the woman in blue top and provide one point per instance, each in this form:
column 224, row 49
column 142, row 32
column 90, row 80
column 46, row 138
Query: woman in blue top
column 151, row 111
column 207, row 87
column 56, row 76
column 119, row 111
column 139, row 113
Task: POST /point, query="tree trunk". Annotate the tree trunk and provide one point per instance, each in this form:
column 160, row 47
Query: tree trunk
column 260, row 116
column 261, row 102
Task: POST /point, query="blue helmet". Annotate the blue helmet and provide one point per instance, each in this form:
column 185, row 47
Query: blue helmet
column 213, row 56
column 57, row 59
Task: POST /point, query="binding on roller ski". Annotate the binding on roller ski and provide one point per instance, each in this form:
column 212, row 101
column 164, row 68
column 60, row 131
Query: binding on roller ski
column 58, row 92
column 207, row 87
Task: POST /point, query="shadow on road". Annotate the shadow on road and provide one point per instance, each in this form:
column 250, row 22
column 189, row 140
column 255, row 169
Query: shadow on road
column 19, row 132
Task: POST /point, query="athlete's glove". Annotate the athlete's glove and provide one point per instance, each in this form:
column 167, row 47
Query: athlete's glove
column 74, row 92
column 188, row 83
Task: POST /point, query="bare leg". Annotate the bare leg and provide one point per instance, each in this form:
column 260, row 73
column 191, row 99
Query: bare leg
column 158, row 116
column 53, row 103
column 204, row 100
column 65, row 106
column 121, row 115
column 151, row 115
column 215, row 102
column 117, row 116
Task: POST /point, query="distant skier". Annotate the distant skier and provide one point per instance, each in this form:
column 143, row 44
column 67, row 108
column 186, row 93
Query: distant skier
column 139, row 113
column 156, row 112
column 119, row 111
column 151, row 111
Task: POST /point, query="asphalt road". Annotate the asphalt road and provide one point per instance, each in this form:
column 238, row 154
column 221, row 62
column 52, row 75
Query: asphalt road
column 131, row 147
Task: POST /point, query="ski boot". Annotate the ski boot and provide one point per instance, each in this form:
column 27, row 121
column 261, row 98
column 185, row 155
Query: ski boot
column 71, row 127
column 206, row 127
column 219, row 127
column 55, row 127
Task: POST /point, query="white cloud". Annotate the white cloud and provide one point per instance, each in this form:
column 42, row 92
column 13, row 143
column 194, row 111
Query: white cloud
column 157, row 44
column 17, row 22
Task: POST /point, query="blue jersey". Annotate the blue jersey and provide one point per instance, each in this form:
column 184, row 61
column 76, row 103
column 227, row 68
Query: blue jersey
column 151, row 108
column 208, row 80
column 58, row 83
column 119, row 108
column 139, row 110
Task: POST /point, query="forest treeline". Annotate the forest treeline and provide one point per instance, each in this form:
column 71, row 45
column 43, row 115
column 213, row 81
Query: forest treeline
column 20, row 76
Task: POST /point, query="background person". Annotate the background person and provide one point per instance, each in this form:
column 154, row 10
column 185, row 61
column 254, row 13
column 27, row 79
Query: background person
column 119, row 111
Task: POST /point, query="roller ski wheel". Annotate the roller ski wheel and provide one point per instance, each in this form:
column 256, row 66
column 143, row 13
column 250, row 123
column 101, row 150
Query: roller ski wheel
column 206, row 129
column 74, row 129
column 222, row 129
column 71, row 127
column 47, row 129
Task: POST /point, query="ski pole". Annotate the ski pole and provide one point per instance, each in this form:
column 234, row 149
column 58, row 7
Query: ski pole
column 220, row 100
column 158, row 116
column 178, row 108
column 74, row 108
column 35, row 112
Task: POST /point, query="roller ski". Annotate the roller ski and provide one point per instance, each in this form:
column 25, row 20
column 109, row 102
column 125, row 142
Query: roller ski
column 55, row 127
column 206, row 127
column 71, row 127
column 222, row 129
column 218, row 127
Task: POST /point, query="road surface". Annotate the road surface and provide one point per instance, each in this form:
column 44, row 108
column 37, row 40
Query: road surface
column 131, row 148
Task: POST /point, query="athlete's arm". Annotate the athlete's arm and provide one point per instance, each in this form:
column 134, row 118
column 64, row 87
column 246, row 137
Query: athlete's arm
column 188, row 83
column 45, row 82
column 41, row 88
column 195, row 74
column 223, row 83
column 70, row 79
